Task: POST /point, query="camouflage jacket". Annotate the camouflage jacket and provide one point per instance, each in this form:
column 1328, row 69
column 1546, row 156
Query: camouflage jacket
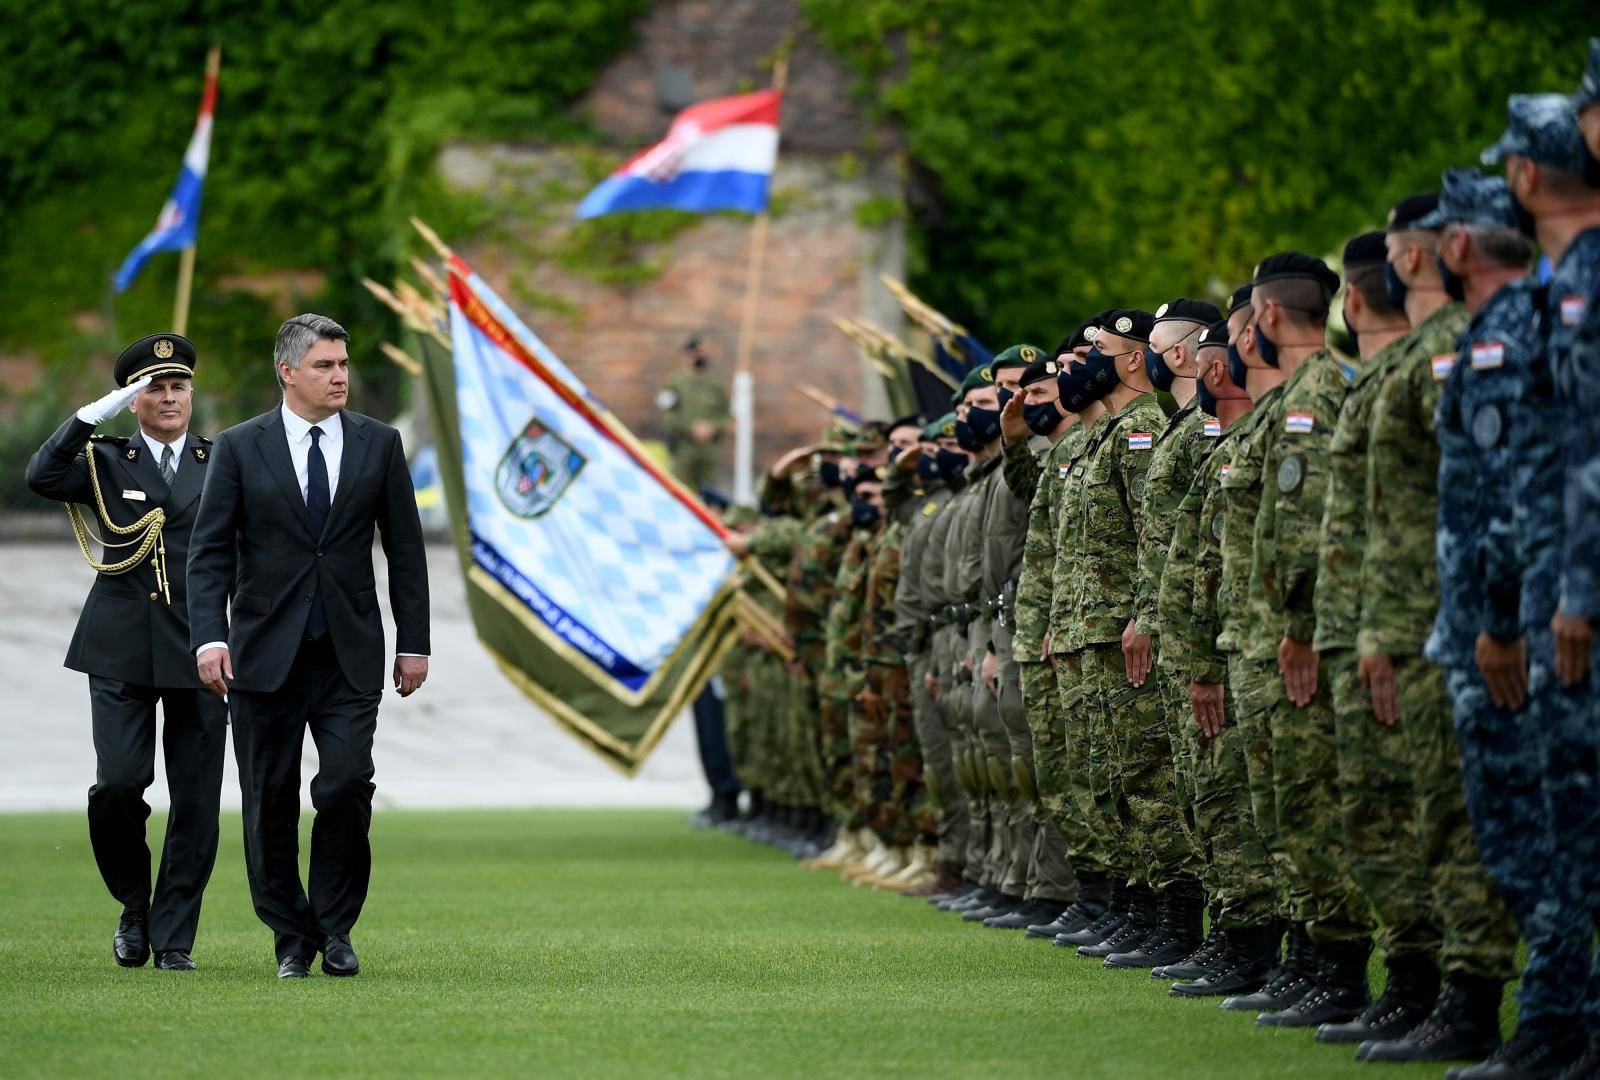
column 1399, row 576
column 1294, row 475
column 1573, row 323
column 843, row 631
column 913, row 602
column 691, row 396
column 1493, row 414
column 1183, row 444
column 809, row 582
column 1066, row 568
column 1187, row 603
column 1241, row 501
column 1032, row 608
column 1110, row 523
column 1344, row 509
column 1024, row 464
column 879, row 645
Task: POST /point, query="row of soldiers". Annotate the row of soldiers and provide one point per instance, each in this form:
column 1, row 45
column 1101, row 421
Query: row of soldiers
column 1199, row 648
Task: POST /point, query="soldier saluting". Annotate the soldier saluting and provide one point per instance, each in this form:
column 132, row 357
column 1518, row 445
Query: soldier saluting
column 132, row 640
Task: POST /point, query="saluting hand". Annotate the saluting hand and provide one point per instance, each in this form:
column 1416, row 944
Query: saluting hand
column 1012, row 423
column 215, row 666
column 102, row 409
column 906, row 460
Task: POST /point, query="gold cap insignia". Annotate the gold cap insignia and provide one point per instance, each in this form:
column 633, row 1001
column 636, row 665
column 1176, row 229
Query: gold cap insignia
column 1029, row 354
column 163, row 349
column 1124, row 324
column 987, row 374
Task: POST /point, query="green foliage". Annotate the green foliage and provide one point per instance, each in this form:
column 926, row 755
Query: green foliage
column 1078, row 153
column 330, row 115
column 876, row 211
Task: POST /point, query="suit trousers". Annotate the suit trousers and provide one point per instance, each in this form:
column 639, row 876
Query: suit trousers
column 194, row 739
column 268, row 735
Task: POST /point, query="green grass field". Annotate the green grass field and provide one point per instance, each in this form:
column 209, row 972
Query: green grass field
column 595, row 943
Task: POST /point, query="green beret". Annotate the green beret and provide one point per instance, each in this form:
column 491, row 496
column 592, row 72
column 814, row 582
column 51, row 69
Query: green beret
column 1017, row 356
column 942, row 428
column 982, row 375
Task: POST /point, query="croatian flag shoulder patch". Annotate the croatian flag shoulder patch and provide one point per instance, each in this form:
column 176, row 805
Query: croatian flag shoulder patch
column 1572, row 309
column 1213, row 429
column 1222, row 474
column 1062, row 471
column 1488, row 355
column 1140, row 440
column 1299, row 423
column 1442, row 364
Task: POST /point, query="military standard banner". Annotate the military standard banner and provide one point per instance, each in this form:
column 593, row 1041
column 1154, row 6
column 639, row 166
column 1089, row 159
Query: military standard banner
column 601, row 589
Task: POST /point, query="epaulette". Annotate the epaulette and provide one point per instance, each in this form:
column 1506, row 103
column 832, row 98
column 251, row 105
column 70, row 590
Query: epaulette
column 200, row 438
column 112, row 440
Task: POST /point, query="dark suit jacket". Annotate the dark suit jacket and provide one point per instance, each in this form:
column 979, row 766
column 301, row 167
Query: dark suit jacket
column 253, row 542
column 127, row 630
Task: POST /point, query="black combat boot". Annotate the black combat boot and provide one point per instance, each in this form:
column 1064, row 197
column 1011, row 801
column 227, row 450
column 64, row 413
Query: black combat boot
column 1463, row 1026
column 1003, row 904
column 1530, row 1055
column 1180, row 920
column 1197, row 963
column 982, row 896
column 1406, row 1001
column 1246, row 961
column 1340, row 993
column 1103, row 925
column 1141, row 919
column 1288, row 982
column 1094, row 889
column 1033, row 913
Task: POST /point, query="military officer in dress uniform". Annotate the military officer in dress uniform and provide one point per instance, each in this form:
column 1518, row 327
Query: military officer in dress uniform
column 132, row 641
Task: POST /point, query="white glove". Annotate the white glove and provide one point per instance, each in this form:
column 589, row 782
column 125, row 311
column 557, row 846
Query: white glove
column 98, row 412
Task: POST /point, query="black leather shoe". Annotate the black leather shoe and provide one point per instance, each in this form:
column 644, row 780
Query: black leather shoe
column 174, row 960
column 338, row 958
column 1029, row 914
column 294, row 967
column 1528, row 1056
column 1004, row 904
column 131, row 943
column 1070, row 921
column 978, row 897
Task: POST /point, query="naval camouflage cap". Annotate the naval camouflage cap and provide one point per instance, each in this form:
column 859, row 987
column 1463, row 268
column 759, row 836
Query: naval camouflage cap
column 979, row 376
column 1017, row 356
column 1543, row 127
column 1470, row 198
column 1589, row 89
column 942, row 428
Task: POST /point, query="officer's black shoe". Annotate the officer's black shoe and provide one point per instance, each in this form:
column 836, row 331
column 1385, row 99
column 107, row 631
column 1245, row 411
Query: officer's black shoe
column 1196, row 963
column 1530, row 1055
column 1004, row 904
column 1141, row 920
column 294, row 967
column 1033, row 913
column 979, row 897
column 966, row 888
column 1246, row 961
column 1406, row 1001
column 131, row 943
column 1586, row 1067
column 174, row 960
column 1289, row 982
column 1340, row 993
column 338, row 958
column 1464, row 1026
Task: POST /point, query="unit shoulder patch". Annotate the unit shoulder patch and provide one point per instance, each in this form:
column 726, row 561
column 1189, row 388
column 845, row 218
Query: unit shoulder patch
column 1290, row 473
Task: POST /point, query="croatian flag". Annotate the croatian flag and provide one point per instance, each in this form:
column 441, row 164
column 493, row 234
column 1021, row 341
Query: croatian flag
column 718, row 155
column 179, row 222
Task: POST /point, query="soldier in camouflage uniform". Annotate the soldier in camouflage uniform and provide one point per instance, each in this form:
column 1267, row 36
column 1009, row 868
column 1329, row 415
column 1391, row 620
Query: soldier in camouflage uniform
column 1238, row 873
column 695, row 414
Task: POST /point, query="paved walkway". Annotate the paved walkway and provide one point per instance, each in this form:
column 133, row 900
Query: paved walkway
column 467, row 739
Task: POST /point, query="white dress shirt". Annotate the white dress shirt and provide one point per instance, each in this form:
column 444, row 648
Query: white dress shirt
column 298, row 431
column 156, row 446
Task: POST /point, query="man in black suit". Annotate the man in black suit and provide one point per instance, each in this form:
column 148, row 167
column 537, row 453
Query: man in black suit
column 132, row 641
column 285, row 529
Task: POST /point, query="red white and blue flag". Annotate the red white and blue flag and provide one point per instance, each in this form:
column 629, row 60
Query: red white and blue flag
column 718, row 155
column 179, row 221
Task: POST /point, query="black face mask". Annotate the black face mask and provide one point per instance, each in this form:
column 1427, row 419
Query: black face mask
column 951, row 464
column 1455, row 286
column 1266, row 347
column 927, row 469
column 1207, row 400
column 1155, row 366
column 1005, row 396
column 1237, row 369
column 863, row 515
column 828, row 474
column 848, row 486
column 985, row 424
column 964, row 437
column 1042, row 417
column 1393, row 287
column 700, row 363
column 1069, row 384
column 1591, row 167
column 1350, row 327
column 1099, row 374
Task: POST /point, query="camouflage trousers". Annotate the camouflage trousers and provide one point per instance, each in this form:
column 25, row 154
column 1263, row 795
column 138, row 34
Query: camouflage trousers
column 836, row 716
column 1134, row 781
column 1310, row 825
column 1378, row 800
column 1236, row 871
column 1503, row 772
column 1255, row 686
column 1049, row 865
column 804, row 783
column 997, row 716
column 1082, row 818
column 759, row 704
column 941, row 745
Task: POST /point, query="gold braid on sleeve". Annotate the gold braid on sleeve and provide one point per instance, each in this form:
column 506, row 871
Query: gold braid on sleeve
column 143, row 535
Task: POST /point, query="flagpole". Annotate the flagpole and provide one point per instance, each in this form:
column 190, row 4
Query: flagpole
column 743, row 381
column 180, row 306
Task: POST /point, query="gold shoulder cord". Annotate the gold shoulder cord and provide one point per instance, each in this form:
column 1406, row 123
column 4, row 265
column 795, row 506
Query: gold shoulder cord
column 146, row 533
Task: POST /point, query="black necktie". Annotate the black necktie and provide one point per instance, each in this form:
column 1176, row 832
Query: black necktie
column 317, row 503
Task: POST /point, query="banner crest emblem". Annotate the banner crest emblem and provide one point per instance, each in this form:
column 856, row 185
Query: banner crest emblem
column 536, row 470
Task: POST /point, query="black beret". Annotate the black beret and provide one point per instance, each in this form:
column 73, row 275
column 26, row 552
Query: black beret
column 1200, row 311
column 868, row 474
column 1215, row 335
column 156, row 355
column 910, row 420
column 1296, row 264
column 1365, row 250
column 1131, row 323
column 1240, row 297
column 1412, row 209
column 1044, row 368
